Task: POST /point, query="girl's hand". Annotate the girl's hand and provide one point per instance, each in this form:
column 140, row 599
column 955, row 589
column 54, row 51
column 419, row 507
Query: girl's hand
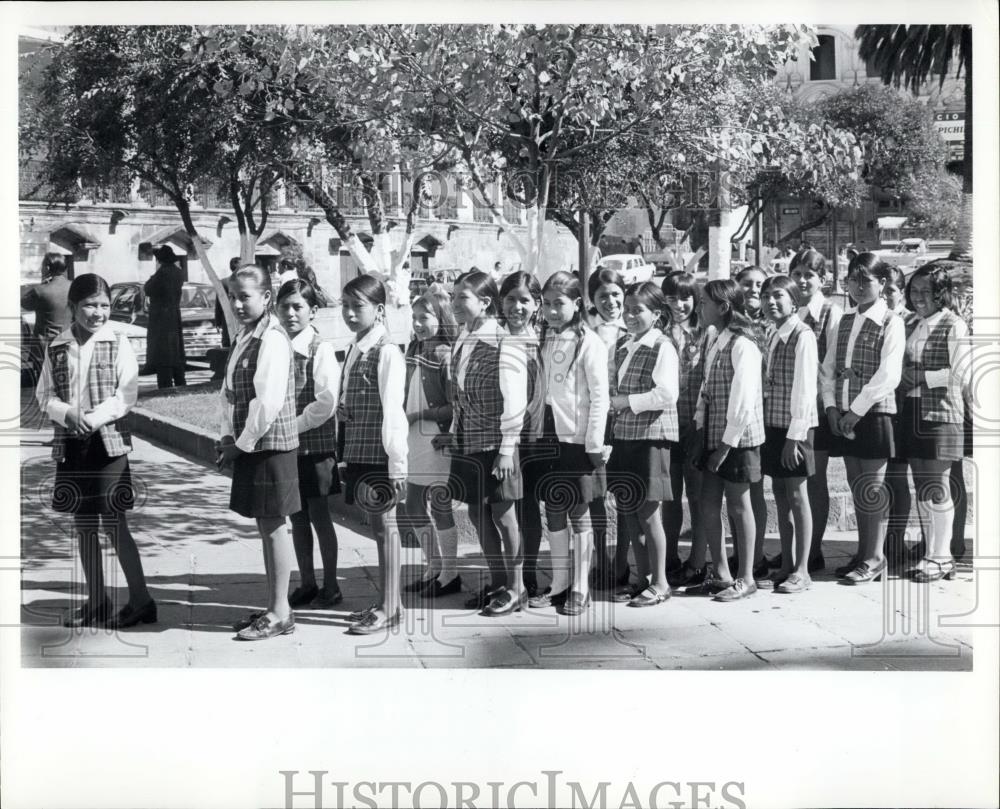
column 74, row 424
column 228, row 452
column 399, row 490
column 619, row 403
column 717, row 457
column 605, row 455
column 847, row 422
column 503, row 467
column 833, row 419
column 791, row 454
column 442, row 441
column 596, row 458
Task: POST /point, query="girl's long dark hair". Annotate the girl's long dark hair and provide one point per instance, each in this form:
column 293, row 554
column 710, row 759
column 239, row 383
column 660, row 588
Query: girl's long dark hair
column 730, row 293
column 652, row 297
column 83, row 286
column 941, row 286
column 603, row 276
column 680, row 284
column 568, row 284
column 366, row 287
column 519, row 280
column 301, row 287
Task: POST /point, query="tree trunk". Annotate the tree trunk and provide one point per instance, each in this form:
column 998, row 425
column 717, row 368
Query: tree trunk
column 962, row 248
column 199, row 248
column 248, row 247
column 819, row 220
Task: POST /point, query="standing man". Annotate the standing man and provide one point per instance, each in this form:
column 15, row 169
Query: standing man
column 48, row 300
column 165, row 338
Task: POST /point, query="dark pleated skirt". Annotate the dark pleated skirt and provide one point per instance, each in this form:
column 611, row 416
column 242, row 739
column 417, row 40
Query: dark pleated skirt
column 928, row 440
column 639, row 471
column 89, row 481
column 266, row 484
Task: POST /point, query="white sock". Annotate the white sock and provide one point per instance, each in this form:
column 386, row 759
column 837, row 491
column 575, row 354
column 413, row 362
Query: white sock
column 448, row 543
column 425, row 535
column 559, row 552
column 925, row 514
column 583, row 550
column 942, row 516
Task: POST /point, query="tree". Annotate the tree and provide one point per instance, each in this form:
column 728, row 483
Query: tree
column 911, row 55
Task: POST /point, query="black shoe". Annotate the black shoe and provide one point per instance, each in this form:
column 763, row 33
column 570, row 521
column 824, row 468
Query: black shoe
column 674, row 566
column 709, row 587
column 774, row 562
column 418, row 585
column 483, row 597
column 325, row 600
column 88, row 616
column 843, row 570
column 687, row 576
column 127, row 616
column 816, row 563
column 302, row 596
column 436, row 589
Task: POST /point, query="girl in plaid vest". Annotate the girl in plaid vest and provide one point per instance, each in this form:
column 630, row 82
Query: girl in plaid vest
column 730, row 423
column 520, row 299
column 491, row 393
column 260, row 441
column 688, row 338
column 89, row 381
column 575, row 374
column 860, row 373
column 317, row 381
column 808, row 270
column 789, row 420
column 644, row 399
column 429, row 412
column 373, row 432
column 606, row 290
column 751, row 281
column 934, row 372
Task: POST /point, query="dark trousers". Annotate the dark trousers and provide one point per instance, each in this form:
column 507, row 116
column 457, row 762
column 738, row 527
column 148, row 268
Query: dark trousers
column 170, row 377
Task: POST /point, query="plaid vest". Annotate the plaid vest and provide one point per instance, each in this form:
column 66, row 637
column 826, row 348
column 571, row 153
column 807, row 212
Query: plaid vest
column 283, row 434
column 479, row 402
column 818, row 325
column 690, row 353
column 717, row 385
column 362, row 409
column 102, row 381
column 321, row 440
column 936, row 404
column 651, row 425
column 779, row 377
column 427, row 360
column 865, row 358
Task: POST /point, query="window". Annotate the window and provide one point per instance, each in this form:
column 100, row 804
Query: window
column 823, row 66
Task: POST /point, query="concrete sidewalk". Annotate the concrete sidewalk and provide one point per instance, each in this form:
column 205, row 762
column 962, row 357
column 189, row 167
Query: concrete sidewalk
column 205, row 570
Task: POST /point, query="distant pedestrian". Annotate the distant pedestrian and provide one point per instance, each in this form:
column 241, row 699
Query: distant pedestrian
column 49, row 301
column 220, row 317
column 165, row 336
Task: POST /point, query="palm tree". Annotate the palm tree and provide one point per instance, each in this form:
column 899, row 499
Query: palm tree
column 909, row 56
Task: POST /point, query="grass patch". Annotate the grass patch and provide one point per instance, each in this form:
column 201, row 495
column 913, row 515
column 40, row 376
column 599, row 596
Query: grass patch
column 197, row 405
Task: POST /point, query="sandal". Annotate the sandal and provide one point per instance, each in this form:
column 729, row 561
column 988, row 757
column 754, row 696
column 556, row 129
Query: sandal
column 649, row 598
column 924, row 575
column 625, row 594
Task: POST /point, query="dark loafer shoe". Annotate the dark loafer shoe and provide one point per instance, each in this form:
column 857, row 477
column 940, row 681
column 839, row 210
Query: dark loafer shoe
column 419, row 585
column 649, row 597
column 436, row 590
column 373, row 622
column 302, row 596
column 843, row 570
column 708, row 587
column 325, row 600
column 89, row 616
column 243, row 623
column 576, row 604
column 504, row 603
column 264, row 628
column 127, row 616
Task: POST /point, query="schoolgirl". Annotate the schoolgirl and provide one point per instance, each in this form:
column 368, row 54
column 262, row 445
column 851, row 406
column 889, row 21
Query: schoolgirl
column 688, row 338
column 895, row 293
column 808, row 270
column 860, row 373
column 491, row 392
column 934, row 372
column 645, row 402
column 575, row 379
column 429, row 412
column 260, row 441
column 730, row 422
column 751, row 281
column 790, row 418
column 520, row 300
column 317, row 383
column 373, row 435
column 606, row 291
column 89, row 381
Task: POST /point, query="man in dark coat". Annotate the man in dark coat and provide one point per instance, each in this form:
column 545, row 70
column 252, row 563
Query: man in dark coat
column 165, row 337
column 48, row 300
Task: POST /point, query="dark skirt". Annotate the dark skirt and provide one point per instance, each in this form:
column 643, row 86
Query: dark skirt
column 639, row 471
column 874, row 438
column 318, row 476
column 89, row 481
column 823, row 438
column 678, row 450
column 742, row 465
column 266, row 484
column 471, row 479
column 368, row 486
column 928, row 440
column 536, row 460
column 570, row 478
column 967, row 432
column 770, row 455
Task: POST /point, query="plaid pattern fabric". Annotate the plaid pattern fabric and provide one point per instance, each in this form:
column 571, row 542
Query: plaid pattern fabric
column 819, row 327
column 865, row 358
column 690, row 356
column 363, row 415
column 320, row 440
column 717, row 385
column 479, row 402
column 283, row 434
column 652, row 425
column 102, row 382
column 429, row 361
column 779, row 377
column 937, row 404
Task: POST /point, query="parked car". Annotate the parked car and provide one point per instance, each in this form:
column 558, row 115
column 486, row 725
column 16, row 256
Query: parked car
column 128, row 305
column 421, row 280
column 632, row 268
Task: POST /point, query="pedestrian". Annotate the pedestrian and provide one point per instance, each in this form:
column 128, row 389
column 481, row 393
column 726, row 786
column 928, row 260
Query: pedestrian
column 575, row 397
column 644, row 398
column 790, row 418
column 317, row 383
column 259, row 440
column 89, row 382
column 809, row 271
column 688, row 338
column 307, row 274
column 220, row 317
column 730, row 421
column 49, row 301
column 491, row 386
column 373, row 433
column 934, row 374
column 288, row 270
column 520, row 301
column 859, row 374
column 428, row 510
column 165, row 335
column 606, row 291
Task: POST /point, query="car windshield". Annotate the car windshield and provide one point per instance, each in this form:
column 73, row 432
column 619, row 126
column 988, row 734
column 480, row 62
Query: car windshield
column 197, row 298
column 125, row 300
column 612, row 264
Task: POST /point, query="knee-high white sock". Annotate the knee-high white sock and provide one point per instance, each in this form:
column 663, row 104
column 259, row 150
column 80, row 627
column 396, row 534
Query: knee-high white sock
column 559, row 552
column 925, row 513
column 583, row 549
column 448, row 544
column 428, row 544
column 942, row 515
